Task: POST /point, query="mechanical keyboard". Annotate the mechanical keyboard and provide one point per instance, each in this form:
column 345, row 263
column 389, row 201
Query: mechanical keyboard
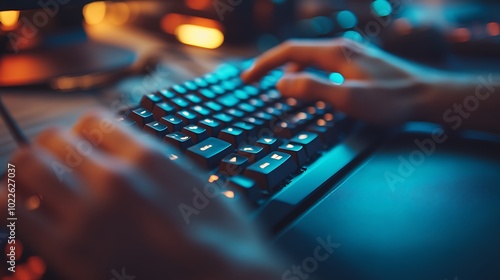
column 272, row 152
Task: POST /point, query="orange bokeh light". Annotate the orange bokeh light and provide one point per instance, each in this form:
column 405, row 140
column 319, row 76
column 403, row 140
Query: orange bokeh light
column 493, row 28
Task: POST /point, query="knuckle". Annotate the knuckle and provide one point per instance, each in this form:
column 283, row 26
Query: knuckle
column 45, row 136
column 87, row 120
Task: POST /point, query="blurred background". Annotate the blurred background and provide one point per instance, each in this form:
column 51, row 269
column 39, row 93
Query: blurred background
column 66, row 57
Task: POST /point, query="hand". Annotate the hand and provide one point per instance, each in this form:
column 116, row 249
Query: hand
column 111, row 200
column 379, row 87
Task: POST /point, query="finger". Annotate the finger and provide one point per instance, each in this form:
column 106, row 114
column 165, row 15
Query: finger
column 293, row 67
column 329, row 55
column 107, row 135
column 307, row 86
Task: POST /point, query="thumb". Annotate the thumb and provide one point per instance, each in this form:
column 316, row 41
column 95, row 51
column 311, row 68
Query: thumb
column 308, row 86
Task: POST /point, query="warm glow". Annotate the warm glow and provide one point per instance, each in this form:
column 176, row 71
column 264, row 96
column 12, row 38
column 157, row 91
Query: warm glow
column 198, row 4
column 9, row 18
column 460, row 35
column 170, row 22
column 33, row 202
column 228, row 194
column 213, row 178
column 94, row 12
column 199, row 36
column 493, row 28
column 117, row 13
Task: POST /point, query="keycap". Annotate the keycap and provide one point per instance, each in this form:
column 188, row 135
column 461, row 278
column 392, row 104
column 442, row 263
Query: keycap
column 187, row 117
column 213, row 106
column 179, row 89
column 192, row 98
column 180, row 103
column 211, row 78
column 126, row 121
column 246, row 107
column 271, row 170
column 148, row 101
column 256, row 102
column 269, row 144
column 309, row 140
column 251, row 90
column 235, row 113
column 163, row 109
column 228, row 100
column 258, row 123
column 285, row 129
column 218, row 89
column 156, row 129
column 197, row 133
column 190, row 86
column 172, row 122
column 213, row 127
column 247, row 128
column 141, row 117
column 233, row 164
column 253, row 153
column 209, row 152
column 166, row 94
column 298, row 152
column 223, row 118
column 327, row 131
column 241, row 95
column 179, row 140
column 201, row 111
column 233, row 135
column 206, row 94
column 200, row 82
column 246, row 186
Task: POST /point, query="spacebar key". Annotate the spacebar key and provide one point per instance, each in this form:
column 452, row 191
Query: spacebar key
column 271, row 170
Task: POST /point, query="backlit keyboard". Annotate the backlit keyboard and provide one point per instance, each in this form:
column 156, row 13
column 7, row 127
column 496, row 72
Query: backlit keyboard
column 249, row 136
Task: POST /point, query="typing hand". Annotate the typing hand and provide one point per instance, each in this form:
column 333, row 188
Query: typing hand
column 378, row 88
column 111, row 206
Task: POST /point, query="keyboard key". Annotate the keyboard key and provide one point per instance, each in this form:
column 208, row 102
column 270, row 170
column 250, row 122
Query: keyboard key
column 180, row 103
column 251, row 90
column 206, row 94
column 179, row 89
column 213, row 106
column 148, row 101
column 209, row 152
column 141, row 117
column 235, row 136
column 309, row 140
column 269, row 144
column 200, row 82
column 156, row 129
column 327, row 131
column 233, row 164
column 179, row 140
column 201, row 111
column 247, row 128
column 187, row 117
column 297, row 152
column 163, row 109
column 213, row 127
column 258, row 123
column 166, row 94
column 172, row 122
column 271, row 170
column 246, row 107
column 253, row 153
column 197, row 133
column 211, row 78
column 190, row 86
column 245, row 186
column 223, row 118
column 285, row 129
column 218, row 89
column 228, row 100
column 193, row 98
column 241, row 95
column 256, row 102
column 235, row 113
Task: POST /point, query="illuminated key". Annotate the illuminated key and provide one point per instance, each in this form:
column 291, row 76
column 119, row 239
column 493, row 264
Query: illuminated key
column 270, row 171
column 209, row 152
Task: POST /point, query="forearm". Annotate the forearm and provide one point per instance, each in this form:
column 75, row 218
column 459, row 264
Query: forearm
column 461, row 102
